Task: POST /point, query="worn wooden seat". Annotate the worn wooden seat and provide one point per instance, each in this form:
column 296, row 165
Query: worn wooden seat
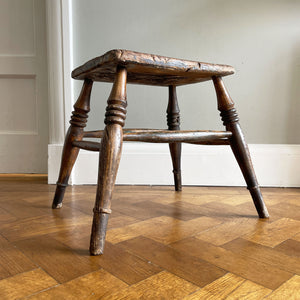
column 122, row 67
column 149, row 69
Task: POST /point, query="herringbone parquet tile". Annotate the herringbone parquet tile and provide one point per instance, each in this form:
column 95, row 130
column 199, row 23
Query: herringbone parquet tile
column 202, row 243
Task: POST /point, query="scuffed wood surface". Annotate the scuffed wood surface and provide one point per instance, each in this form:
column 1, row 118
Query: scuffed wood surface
column 149, row 69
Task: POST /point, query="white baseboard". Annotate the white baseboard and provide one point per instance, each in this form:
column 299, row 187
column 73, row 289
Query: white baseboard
column 150, row 164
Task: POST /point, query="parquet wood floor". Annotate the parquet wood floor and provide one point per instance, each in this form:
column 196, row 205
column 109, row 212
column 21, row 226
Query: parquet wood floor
column 202, row 243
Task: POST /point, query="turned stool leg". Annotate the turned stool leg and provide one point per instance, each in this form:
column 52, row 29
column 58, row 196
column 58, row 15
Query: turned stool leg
column 110, row 154
column 173, row 121
column 238, row 145
column 75, row 133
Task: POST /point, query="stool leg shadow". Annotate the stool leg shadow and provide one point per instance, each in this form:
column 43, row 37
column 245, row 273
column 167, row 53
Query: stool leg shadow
column 75, row 133
column 173, row 121
column 109, row 158
column 238, row 145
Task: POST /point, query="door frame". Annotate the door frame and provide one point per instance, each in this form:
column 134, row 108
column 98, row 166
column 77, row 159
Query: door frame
column 60, row 64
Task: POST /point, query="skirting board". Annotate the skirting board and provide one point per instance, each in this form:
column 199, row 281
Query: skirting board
column 150, row 164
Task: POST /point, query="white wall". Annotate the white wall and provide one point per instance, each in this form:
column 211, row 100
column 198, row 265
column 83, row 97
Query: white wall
column 260, row 38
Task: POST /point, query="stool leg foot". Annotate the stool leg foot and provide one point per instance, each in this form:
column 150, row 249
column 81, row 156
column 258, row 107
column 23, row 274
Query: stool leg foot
column 100, row 221
column 59, row 195
column 239, row 145
column 109, row 158
column 259, row 202
column 173, row 120
column 175, row 151
column 75, row 133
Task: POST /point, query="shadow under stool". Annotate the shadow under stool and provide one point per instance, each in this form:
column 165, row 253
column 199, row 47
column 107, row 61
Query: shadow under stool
column 121, row 67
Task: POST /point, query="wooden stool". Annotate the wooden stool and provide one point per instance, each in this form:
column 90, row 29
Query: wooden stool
column 122, row 67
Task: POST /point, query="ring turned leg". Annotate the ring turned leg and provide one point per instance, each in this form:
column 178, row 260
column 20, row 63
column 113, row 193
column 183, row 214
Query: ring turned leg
column 110, row 154
column 238, row 145
column 75, row 133
column 173, row 120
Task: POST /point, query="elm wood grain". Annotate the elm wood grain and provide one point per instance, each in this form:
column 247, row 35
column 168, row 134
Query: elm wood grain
column 125, row 265
column 249, row 290
column 161, row 229
column 290, row 247
column 227, row 231
column 272, row 234
column 56, row 259
column 260, row 273
column 6, row 217
column 117, row 261
column 110, row 154
column 291, row 210
column 218, row 289
column 76, row 236
column 264, row 254
column 128, row 232
column 179, row 263
column 25, row 284
column 45, row 224
column 148, row 209
column 218, row 210
column 91, row 286
column 163, row 285
column 176, row 230
column 75, row 133
column 173, row 121
column 28, row 209
column 149, row 69
column 297, row 237
column 289, row 290
column 12, row 260
column 238, row 144
column 233, row 289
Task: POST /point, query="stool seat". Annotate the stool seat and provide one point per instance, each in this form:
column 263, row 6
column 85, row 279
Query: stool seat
column 149, row 69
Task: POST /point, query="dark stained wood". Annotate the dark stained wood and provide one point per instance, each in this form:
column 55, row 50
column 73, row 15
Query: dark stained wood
column 149, row 69
column 174, row 137
column 167, row 136
column 87, row 145
column 110, row 154
column 99, row 133
column 122, row 67
column 75, row 133
column 173, row 121
column 238, row 145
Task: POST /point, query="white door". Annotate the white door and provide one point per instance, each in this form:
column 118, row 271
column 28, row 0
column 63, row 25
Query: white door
column 23, row 87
